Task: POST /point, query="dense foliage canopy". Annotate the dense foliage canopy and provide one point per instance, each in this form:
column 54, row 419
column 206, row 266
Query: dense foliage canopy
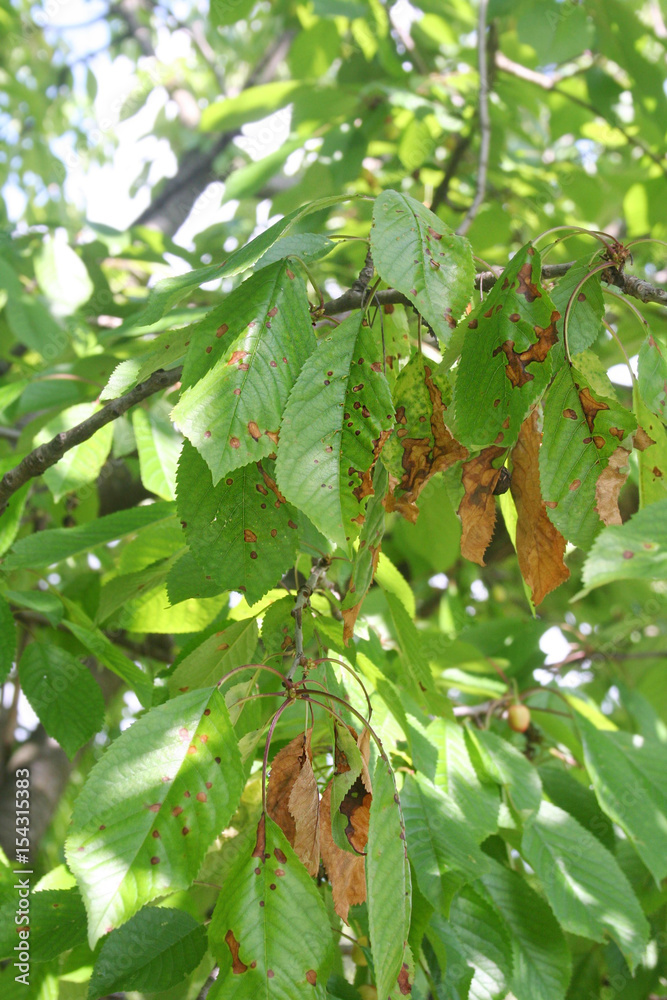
column 333, row 490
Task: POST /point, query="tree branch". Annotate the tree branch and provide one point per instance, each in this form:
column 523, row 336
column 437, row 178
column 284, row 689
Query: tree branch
column 48, row 454
column 484, row 122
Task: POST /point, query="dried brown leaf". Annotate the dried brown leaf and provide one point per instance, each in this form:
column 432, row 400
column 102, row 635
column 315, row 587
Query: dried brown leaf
column 477, row 509
column 609, row 485
column 346, row 872
column 540, row 546
column 304, row 805
column 286, row 768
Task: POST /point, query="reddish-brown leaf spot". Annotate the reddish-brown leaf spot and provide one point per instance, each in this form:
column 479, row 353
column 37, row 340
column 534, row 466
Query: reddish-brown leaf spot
column 628, row 554
column 575, row 484
column 404, row 984
column 270, row 973
column 477, row 509
column 177, row 810
column 234, row 442
column 201, row 796
column 222, row 330
column 209, row 349
column 238, row 967
column 249, row 536
column 260, row 842
column 570, row 414
column 155, row 861
column 311, row 977
column 207, row 711
column 102, row 827
column 253, row 430
column 591, row 407
column 237, row 356
column 156, row 834
column 185, row 831
column 155, row 807
column 526, row 285
column 207, row 434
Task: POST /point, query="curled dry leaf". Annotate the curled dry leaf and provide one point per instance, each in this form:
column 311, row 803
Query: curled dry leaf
column 285, row 770
column 304, row 805
column 539, row 544
column 609, row 485
column 477, row 509
column 346, row 871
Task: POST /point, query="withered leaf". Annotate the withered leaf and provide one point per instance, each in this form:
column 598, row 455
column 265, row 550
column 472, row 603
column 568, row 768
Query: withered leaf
column 477, row 509
column 609, row 485
column 540, row 546
column 304, row 805
column 346, row 872
column 286, row 768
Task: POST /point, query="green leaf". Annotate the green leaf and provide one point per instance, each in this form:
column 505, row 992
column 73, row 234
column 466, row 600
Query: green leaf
column 152, row 952
column 241, row 532
column 585, row 322
column 581, row 431
column 540, row 956
column 164, row 352
column 345, row 747
column 485, row 944
column 416, row 252
column 628, row 795
column 366, row 559
column 242, row 363
column 63, row 694
column 499, row 761
column 652, row 376
column 207, row 663
column 62, row 276
column 652, row 456
column 392, row 581
column 226, row 12
column 250, row 105
column 586, row 889
column 456, row 776
column 506, row 357
column 57, row 922
column 7, row 640
column 335, row 422
column 277, row 950
column 387, row 881
column 278, row 627
column 186, row 579
column 28, row 319
column 47, row 547
column 578, row 799
column 410, row 644
column 439, row 841
column 306, row 246
column 636, row 550
column 82, row 463
column 158, row 448
column 152, row 806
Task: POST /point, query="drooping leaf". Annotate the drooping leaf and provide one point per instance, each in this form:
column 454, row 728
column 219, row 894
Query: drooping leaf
column 628, row 795
column 540, row 955
column 304, row 805
column 388, row 882
column 242, row 362
column 62, row 693
column 652, row 376
column 242, row 532
column 410, row 645
column 153, row 951
column 345, row 870
column 540, row 546
column 62, row 276
column 439, row 841
column 335, row 424
column 456, row 776
column 415, row 251
column 367, row 556
column 505, row 361
column 585, row 321
column 46, row 547
column 484, row 942
column 305, row 246
column 229, row 647
column 586, row 889
column 81, row 464
column 286, row 768
column 581, row 431
column 7, row 640
column 421, row 445
column 108, row 654
column 158, row 448
column 636, row 550
column 164, row 351
column 650, row 441
column 477, row 509
column 351, row 790
column 152, row 806
column 270, row 930
column 610, row 483
column 499, row 761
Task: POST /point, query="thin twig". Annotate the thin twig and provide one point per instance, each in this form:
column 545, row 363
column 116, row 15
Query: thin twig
column 302, row 598
column 213, row 975
column 484, row 122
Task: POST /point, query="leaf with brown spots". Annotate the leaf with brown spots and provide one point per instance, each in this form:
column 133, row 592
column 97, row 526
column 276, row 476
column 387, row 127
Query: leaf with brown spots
column 335, row 425
column 286, row 768
column 652, row 376
column 304, row 805
column 477, row 509
column 506, row 357
column 234, row 394
column 574, row 452
column 239, row 531
column 345, row 871
column 270, row 930
column 350, row 789
column 650, row 441
column 422, row 444
column 609, row 485
column 367, row 555
column 540, row 546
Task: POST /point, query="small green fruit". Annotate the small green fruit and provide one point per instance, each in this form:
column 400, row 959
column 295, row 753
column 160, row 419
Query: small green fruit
column 518, row 717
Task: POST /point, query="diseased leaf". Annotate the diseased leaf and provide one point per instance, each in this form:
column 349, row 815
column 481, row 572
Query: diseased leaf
column 477, row 509
column 415, row 251
column 652, row 376
column 345, row 871
column 505, row 361
column 242, row 532
column 285, row 769
column 156, row 949
column 421, row 445
column 388, row 881
column 586, row 889
column 231, row 646
column 581, row 431
column 62, row 693
column 336, row 421
column 650, row 441
column 270, row 931
column 304, row 805
column 540, row 546
column 152, row 806
column 585, row 322
column 57, row 923
column 243, row 360
column 351, row 791
column 609, row 485
column 636, row 550
column 367, row 556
